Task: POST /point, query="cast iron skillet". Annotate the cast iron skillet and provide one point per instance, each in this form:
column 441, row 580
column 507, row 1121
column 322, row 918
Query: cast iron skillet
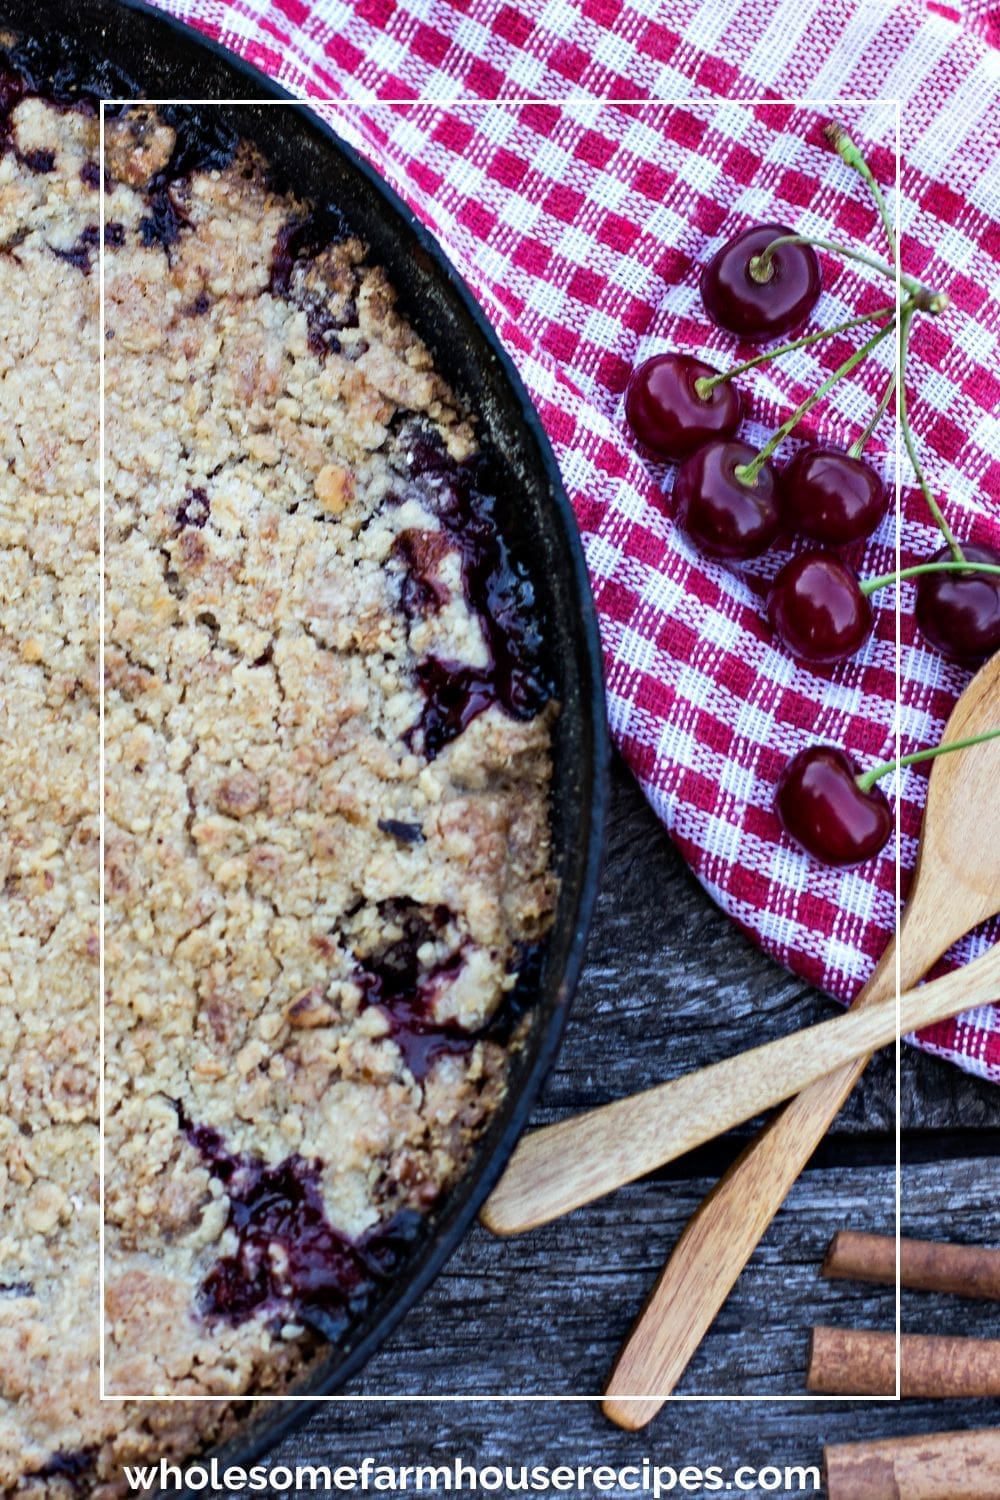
column 169, row 61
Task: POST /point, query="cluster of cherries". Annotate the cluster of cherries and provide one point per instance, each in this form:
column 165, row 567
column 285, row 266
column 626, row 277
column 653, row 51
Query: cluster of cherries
column 732, row 503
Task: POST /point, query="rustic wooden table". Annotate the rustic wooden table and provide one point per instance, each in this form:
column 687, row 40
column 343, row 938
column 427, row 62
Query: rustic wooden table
column 670, row 984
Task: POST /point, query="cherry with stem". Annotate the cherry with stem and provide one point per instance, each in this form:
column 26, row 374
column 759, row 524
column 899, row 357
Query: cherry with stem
column 722, row 516
column 839, row 814
column 958, row 609
column 820, row 612
column 761, row 265
column 673, row 405
column 675, row 402
column 829, row 495
column 725, row 494
column 755, row 307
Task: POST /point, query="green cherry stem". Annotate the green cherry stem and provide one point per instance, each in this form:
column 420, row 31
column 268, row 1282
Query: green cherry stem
column 858, row 447
column 866, row 781
column 869, row 585
column 706, row 384
column 852, row 156
column 747, row 473
column 760, row 265
column 911, row 447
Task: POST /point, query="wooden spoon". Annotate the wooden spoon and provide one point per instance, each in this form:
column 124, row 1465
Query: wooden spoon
column 956, row 885
column 570, row 1163
column 565, row 1165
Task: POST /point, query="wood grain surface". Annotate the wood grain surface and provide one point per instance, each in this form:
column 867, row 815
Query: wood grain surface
column 671, row 985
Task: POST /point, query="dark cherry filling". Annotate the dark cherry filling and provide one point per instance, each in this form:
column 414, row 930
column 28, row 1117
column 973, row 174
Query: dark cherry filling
column 50, row 71
column 496, row 587
column 298, row 242
column 406, row 833
column 454, row 694
column 397, row 983
column 288, row 1252
column 39, row 161
column 162, row 225
column 75, row 1467
column 53, row 69
column 81, row 253
column 194, row 509
column 302, row 240
column 203, row 142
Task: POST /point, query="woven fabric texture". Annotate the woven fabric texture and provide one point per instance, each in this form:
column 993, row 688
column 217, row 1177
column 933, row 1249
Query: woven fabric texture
column 579, row 160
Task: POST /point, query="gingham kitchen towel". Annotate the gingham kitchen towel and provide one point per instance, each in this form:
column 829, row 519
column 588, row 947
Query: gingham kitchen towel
column 581, row 226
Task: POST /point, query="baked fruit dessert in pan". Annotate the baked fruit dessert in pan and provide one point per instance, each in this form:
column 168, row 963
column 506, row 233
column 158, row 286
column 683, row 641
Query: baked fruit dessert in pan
column 327, row 842
column 352, row 777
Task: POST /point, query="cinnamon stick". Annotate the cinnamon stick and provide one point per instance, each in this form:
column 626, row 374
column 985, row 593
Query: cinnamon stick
column 860, row 1362
column 944, row 1466
column 925, row 1265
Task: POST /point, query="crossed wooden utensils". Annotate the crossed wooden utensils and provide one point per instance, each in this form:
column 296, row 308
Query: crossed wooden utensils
column 956, row 887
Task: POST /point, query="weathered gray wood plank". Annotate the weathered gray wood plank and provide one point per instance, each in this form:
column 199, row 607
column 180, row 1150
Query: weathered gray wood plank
column 544, row 1314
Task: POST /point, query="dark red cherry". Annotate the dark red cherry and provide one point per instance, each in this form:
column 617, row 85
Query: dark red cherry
column 665, row 411
column 830, row 497
column 959, row 613
column 760, row 309
column 723, row 516
column 817, row 608
column 821, row 806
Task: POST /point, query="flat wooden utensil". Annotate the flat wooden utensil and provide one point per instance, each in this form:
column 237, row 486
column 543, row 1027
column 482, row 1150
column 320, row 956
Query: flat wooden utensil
column 956, row 885
column 565, row 1165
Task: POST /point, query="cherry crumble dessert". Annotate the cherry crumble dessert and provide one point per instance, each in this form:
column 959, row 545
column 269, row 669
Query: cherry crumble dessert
column 327, row 729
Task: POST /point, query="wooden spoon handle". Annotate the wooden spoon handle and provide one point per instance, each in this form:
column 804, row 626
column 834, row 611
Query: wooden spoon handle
column 714, row 1247
column 726, row 1228
column 565, row 1165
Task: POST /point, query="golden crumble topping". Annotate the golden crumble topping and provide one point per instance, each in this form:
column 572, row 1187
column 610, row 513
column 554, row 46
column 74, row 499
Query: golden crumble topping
column 326, row 774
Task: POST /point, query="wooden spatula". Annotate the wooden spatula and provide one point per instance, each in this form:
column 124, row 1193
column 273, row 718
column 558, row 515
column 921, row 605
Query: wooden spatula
column 956, row 885
column 565, row 1165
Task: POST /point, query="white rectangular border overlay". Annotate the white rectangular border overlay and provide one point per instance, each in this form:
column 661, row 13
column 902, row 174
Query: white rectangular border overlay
column 691, row 101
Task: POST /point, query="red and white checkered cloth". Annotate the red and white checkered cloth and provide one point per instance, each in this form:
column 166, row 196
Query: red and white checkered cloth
column 581, row 226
